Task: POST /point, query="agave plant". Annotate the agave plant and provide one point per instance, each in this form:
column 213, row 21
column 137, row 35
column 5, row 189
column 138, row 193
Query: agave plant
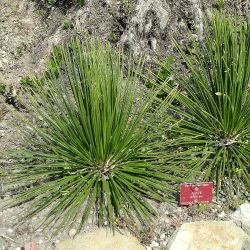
column 214, row 105
column 94, row 149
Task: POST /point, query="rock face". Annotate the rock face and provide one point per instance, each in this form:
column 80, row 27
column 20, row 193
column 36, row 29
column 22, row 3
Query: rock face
column 207, row 235
column 102, row 239
column 242, row 217
column 28, row 32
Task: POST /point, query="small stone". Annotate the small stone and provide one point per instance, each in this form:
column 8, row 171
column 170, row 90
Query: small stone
column 31, row 245
column 167, row 220
column 154, row 244
column 72, row 232
column 178, row 210
column 105, row 223
column 162, row 236
column 163, row 244
column 153, row 43
column 148, row 26
column 222, row 214
column 195, row 37
column 182, row 24
column 10, row 230
column 166, row 212
column 235, row 197
column 148, row 248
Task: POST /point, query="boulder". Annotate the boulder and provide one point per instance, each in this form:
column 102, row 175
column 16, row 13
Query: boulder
column 242, row 217
column 101, row 239
column 207, row 235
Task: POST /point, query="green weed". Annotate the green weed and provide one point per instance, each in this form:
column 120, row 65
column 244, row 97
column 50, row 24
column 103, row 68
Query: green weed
column 67, row 24
column 2, row 88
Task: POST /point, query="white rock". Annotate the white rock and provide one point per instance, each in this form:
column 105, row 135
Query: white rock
column 242, row 217
column 222, row 214
column 167, row 220
column 178, row 210
column 148, row 248
column 72, row 232
column 166, row 212
column 153, row 43
column 102, row 239
column 206, row 235
column 162, row 236
column 148, row 26
column 163, row 244
column 154, row 244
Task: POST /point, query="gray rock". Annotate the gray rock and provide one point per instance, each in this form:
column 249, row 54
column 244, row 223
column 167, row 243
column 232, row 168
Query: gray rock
column 242, row 217
column 153, row 43
column 206, row 235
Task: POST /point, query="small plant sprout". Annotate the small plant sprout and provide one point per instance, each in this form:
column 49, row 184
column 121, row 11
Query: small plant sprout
column 2, row 88
column 127, row 6
column 67, row 24
column 220, row 4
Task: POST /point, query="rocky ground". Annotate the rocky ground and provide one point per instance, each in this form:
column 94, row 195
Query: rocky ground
column 27, row 35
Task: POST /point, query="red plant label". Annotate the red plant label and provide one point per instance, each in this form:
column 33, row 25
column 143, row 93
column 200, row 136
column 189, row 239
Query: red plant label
column 196, row 193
